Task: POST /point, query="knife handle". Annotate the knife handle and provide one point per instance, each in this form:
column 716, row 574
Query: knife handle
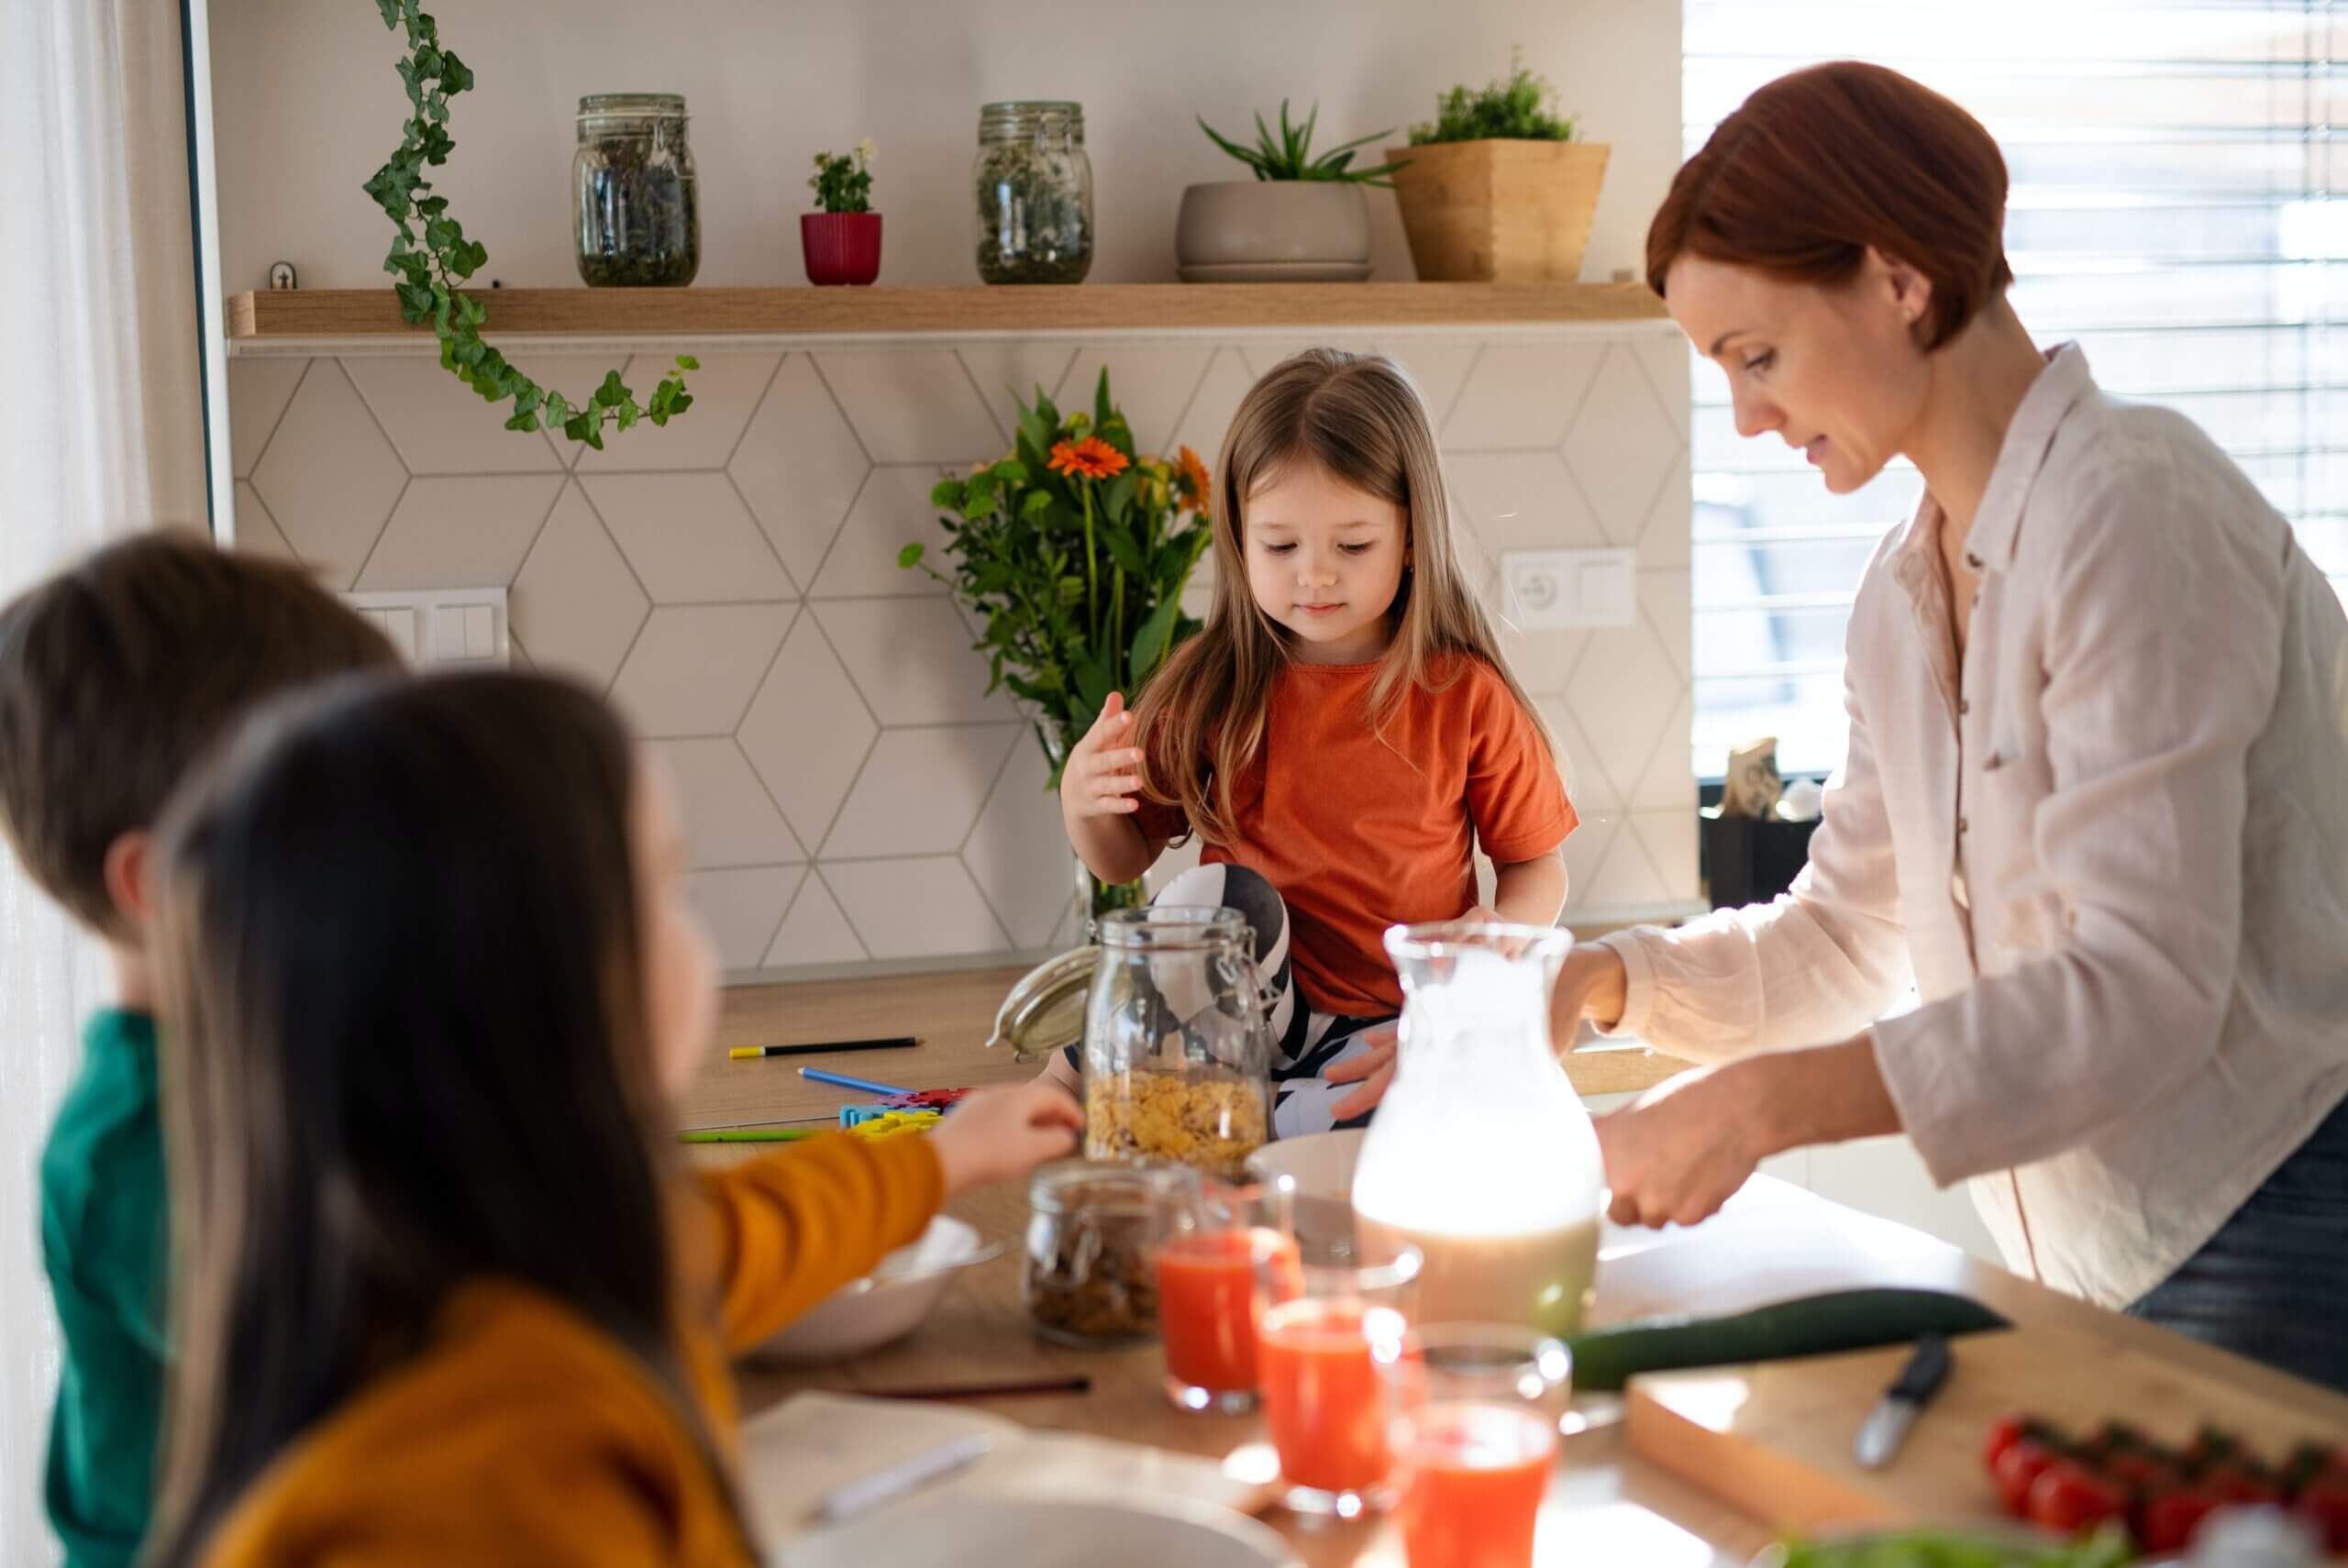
column 1925, row 1371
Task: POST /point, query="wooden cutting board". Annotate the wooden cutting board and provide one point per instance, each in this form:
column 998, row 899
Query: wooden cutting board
column 1774, row 1438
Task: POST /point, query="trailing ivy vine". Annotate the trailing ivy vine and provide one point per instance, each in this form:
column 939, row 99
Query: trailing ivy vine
column 431, row 265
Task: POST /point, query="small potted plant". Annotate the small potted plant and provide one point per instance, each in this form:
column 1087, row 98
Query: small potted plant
column 1300, row 220
column 843, row 241
column 1496, row 187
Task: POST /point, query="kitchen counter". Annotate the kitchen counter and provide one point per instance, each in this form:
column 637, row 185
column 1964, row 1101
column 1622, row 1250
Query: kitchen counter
column 952, row 1014
column 1606, row 1507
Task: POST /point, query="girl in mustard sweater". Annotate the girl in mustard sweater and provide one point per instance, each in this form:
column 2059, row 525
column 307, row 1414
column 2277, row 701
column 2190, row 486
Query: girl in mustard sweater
column 443, row 1296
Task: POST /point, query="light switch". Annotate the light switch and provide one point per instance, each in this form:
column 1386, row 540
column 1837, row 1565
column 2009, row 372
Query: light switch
column 1564, row 589
column 1609, row 595
column 480, row 639
column 439, row 625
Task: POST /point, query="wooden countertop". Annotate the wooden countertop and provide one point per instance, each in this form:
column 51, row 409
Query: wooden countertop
column 1772, row 1241
column 953, row 1014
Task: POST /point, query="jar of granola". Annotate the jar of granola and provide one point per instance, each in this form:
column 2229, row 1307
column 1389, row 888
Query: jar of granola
column 1177, row 1054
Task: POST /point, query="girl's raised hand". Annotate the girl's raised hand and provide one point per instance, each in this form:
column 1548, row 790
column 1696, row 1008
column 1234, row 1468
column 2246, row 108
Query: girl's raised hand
column 1100, row 780
column 997, row 1134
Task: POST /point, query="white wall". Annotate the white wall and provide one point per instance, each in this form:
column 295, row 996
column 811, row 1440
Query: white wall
column 307, row 106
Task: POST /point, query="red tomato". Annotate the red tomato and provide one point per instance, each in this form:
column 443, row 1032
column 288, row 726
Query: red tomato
column 2067, row 1497
column 2135, row 1470
column 2171, row 1519
column 2002, row 1436
column 2325, row 1506
column 2018, row 1470
column 2239, row 1482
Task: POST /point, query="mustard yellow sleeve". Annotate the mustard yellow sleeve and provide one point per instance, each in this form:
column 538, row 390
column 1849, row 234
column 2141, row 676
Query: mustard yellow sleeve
column 777, row 1235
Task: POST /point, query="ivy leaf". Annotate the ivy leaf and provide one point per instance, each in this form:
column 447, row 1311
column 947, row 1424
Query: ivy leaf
column 612, row 392
column 455, row 76
column 524, row 420
column 390, row 10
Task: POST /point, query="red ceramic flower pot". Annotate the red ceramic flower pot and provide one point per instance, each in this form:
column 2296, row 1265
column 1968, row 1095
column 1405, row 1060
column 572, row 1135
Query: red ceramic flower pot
column 841, row 248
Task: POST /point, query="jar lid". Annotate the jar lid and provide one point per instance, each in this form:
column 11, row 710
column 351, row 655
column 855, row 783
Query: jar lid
column 1175, row 927
column 1015, row 106
column 599, row 105
column 1045, row 1011
column 1122, row 1187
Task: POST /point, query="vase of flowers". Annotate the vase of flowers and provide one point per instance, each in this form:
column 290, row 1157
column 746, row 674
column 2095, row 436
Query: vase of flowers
column 1073, row 550
column 842, row 242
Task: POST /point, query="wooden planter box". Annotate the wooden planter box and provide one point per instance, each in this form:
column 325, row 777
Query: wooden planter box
column 1498, row 211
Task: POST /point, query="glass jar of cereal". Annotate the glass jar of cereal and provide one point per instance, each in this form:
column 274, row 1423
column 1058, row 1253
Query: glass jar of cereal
column 1177, row 1055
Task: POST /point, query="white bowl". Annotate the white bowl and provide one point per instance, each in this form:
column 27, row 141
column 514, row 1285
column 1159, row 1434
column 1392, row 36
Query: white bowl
column 1322, row 1162
column 886, row 1305
column 1036, row 1532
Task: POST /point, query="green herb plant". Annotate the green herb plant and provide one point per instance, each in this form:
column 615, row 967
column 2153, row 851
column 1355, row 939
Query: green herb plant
column 1520, row 108
column 1289, row 156
column 843, row 182
column 430, row 274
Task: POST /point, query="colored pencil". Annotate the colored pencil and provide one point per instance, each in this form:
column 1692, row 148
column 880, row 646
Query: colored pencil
column 841, row 1080
column 1078, row 1384
column 746, row 1135
column 750, row 1052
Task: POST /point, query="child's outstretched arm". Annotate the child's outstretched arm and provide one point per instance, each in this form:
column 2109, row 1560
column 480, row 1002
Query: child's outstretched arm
column 781, row 1234
column 1097, row 797
column 1529, row 892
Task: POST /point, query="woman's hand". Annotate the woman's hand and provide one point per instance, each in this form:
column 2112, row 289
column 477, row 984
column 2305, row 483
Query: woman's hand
column 1682, row 1149
column 1100, row 778
column 996, row 1133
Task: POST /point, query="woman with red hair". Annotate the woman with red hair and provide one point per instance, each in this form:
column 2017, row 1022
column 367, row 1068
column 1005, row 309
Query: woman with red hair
column 2095, row 801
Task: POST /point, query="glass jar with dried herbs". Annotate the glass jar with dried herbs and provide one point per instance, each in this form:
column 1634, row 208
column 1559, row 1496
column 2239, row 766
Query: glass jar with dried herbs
column 638, row 215
column 1035, row 193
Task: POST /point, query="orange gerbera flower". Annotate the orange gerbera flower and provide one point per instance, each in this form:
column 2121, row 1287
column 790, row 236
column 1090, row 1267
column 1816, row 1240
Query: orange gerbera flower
column 1194, row 476
column 1090, row 459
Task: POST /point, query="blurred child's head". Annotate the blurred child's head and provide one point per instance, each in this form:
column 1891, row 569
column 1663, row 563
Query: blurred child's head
column 118, row 673
column 1333, row 545
column 425, row 954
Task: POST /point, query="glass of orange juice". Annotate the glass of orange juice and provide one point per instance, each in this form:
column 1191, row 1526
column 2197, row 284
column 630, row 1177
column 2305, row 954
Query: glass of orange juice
column 1474, row 1430
column 1323, row 1327
column 1208, row 1247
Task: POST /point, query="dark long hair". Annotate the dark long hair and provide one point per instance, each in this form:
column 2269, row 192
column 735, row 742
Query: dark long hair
column 399, row 959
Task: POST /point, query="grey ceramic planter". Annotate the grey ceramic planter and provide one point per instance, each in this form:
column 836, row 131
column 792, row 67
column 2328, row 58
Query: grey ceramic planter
column 1250, row 223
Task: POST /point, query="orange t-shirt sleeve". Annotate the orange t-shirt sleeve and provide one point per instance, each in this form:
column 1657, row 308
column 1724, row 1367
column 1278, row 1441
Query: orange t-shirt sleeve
column 781, row 1234
column 1514, row 796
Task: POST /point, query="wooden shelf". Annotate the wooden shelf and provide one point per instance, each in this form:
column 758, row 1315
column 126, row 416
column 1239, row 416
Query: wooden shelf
column 1093, row 307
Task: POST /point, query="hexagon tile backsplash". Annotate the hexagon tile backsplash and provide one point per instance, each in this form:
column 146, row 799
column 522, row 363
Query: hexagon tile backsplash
column 854, row 797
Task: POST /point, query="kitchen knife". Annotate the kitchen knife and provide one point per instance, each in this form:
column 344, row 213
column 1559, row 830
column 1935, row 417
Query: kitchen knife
column 1881, row 1434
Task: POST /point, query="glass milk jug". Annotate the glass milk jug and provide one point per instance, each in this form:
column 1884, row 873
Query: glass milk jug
column 1481, row 1155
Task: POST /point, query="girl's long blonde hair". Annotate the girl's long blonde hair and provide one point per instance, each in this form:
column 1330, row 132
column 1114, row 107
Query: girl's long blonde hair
column 1201, row 722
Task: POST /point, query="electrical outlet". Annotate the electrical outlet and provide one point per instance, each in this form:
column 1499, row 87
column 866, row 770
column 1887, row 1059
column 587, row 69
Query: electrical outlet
column 1556, row 590
column 440, row 626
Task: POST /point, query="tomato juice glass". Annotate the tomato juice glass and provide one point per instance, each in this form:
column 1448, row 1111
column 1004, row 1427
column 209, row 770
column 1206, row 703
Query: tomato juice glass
column 1476, row 1412
column 1322, row 1330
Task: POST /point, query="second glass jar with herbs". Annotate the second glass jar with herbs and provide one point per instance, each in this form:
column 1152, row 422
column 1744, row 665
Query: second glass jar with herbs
column 638, row 215
column 1035, row 193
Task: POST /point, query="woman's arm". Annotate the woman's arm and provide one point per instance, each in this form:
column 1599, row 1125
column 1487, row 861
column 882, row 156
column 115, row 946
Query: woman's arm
column 1685, row 1147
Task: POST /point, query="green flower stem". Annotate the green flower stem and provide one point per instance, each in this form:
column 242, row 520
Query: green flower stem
column 1091, row 566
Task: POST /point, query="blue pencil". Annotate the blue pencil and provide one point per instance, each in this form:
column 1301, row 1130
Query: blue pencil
column 841, row 1080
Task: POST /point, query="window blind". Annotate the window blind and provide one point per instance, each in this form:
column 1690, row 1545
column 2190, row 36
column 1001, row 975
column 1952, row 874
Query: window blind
column 2177, row 209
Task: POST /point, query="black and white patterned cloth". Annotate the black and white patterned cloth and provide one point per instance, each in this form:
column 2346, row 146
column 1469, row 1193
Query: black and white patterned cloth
column 1305, row 1043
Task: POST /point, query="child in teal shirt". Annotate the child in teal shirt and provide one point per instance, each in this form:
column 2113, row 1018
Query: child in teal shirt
column 116, row 676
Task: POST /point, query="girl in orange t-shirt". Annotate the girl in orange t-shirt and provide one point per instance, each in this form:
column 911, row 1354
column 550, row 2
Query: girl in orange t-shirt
column 1343, row 735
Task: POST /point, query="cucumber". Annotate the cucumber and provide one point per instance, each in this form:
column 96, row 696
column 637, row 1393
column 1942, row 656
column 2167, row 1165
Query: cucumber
column 1605, row 1359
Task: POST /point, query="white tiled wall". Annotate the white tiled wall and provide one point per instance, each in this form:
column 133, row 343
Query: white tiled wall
column 853, row 794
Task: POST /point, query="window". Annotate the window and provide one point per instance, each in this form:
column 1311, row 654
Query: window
column 2178, row 208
